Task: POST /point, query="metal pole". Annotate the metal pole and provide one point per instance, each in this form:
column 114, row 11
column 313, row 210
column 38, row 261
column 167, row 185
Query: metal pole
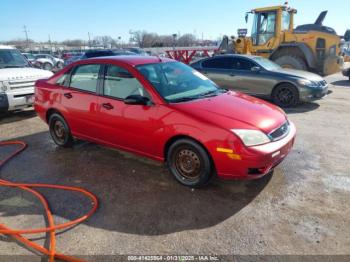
column 26, row 33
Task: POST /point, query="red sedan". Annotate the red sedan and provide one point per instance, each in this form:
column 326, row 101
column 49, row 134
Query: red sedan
column 165, row 110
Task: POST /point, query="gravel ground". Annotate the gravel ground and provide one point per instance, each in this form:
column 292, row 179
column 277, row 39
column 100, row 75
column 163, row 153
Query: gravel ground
column 302, row 209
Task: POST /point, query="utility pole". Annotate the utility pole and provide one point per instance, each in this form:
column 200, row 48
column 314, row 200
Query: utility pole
column 50, row 44
column 89, row 44
column 26, row 33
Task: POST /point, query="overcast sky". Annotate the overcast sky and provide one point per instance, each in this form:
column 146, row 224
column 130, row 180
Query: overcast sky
column 65, row 19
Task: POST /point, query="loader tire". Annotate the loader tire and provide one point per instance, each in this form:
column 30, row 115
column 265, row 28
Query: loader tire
column 291, row 61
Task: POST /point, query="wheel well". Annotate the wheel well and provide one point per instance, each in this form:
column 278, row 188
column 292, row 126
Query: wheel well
column 284, row 83
column 175, row 138
column 50, row 112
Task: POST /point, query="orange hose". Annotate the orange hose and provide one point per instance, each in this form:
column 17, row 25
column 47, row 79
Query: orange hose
column 52, row 227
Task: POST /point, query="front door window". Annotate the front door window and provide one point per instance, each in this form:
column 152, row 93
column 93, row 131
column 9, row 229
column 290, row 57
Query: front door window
column 264, row 27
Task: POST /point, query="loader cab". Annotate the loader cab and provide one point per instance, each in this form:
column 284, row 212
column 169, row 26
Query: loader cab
column 268, row 25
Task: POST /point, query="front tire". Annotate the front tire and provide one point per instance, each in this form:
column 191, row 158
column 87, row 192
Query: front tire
column 285, row 95
column 60, row 131
column 189, row 163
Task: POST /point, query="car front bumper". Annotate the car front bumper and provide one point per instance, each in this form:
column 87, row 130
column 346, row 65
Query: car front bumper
column 17, row 99
column 259, row 161
column 308, row 94
column 4, row 103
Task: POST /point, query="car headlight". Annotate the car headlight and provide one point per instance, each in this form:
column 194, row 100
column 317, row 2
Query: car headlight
column 305, row 82
column 251, row 137
column 3, row 86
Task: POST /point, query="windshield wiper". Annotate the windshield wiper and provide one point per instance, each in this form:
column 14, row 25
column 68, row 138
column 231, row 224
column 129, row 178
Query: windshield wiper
column 184, row 99
column 213, row 93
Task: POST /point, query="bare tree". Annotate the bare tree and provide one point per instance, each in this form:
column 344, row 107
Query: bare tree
column 73, row 43
column 144, row 38
column 19, row 43
column 186, row 40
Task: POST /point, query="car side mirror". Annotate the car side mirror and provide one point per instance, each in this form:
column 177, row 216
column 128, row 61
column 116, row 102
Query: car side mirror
column 256, row 69
column 137, row 100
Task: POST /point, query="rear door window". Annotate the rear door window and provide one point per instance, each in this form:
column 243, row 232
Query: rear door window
column 85, row 77
column 120, row 83
column 219, row 63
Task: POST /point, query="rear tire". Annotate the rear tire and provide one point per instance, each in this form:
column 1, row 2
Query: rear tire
column 291, row 61
column 60, row 131
column 285, row 95
column 190, row 163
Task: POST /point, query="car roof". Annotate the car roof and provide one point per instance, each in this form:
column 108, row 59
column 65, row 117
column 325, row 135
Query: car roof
column 238, row 55
column 133, row 60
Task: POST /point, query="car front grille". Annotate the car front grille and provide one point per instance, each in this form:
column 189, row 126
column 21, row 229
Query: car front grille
column 322, row 83
column 280, row 132
column 21, row 84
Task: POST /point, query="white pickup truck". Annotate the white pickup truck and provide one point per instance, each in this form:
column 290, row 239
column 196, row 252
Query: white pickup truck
column 17, row 79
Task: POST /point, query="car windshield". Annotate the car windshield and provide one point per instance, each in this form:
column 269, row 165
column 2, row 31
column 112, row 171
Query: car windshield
column 177, row 82
column 29, row 56
column 12, row 58
column 266, row 63
column 98, row 54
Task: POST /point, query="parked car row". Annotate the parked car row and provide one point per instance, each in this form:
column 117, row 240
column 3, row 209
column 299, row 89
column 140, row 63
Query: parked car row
column 190, row 117
column 258, row 76
column 44, row 61
column 108, row 52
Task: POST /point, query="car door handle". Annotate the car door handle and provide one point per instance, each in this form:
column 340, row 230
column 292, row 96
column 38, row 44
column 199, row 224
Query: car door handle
column 108, row 106
column 68, row 95
column 232, row 74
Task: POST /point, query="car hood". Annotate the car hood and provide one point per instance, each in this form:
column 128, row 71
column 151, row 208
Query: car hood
column 300, row 73
column 17, row 74
column 235, row 110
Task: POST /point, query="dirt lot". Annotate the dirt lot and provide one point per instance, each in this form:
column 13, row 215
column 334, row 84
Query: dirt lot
column 303, row 209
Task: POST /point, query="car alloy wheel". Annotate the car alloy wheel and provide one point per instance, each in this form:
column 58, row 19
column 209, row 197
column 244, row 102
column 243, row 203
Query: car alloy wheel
column 285, row 95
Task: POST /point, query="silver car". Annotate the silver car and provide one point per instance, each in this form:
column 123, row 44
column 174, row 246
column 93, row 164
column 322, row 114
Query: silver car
column 258, row 76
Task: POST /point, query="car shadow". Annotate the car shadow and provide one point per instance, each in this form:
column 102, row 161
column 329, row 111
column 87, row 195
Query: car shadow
column 341, row 83
column 137, row 196
column 302, row 108
column 12, row 117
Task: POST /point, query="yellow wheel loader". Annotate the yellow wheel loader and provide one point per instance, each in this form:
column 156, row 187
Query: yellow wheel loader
column 311, row 47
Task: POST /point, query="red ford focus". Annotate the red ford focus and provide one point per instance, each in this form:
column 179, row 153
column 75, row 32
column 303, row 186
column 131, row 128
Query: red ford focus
column 167, row 111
